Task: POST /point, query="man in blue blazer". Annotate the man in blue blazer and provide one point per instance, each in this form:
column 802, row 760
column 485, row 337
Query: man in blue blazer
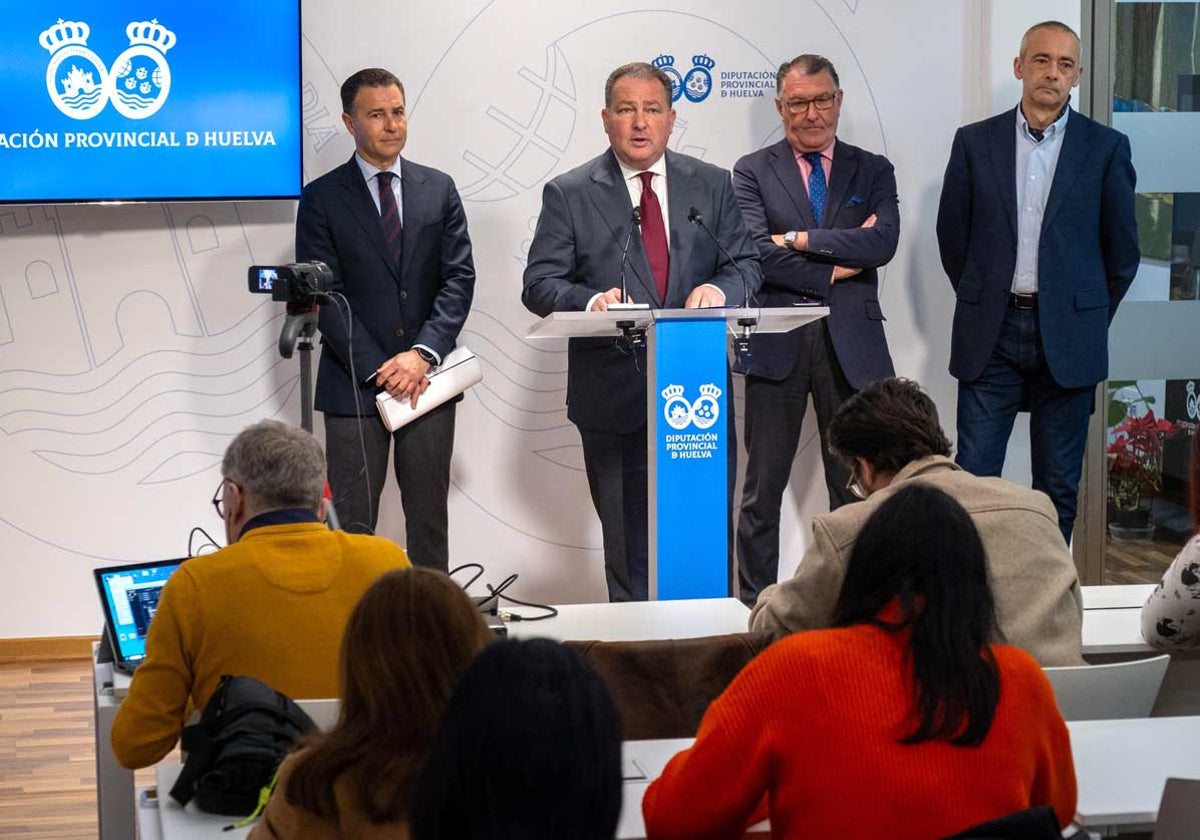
column 575, row 264
column 1037, row 233
column 395, row 235
column 825, row 217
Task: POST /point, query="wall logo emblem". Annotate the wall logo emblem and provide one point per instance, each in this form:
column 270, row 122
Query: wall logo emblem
column 80, row 85
column 1193, row 402
column 666, row 63
column 698, row 83
column 703, row 413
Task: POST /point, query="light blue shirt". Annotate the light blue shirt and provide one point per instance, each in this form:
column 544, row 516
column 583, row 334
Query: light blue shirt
column 1036, row 163
column 370, row 173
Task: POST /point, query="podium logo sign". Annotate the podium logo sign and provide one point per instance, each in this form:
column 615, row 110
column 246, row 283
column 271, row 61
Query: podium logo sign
column 703, row 413
column 80, row 85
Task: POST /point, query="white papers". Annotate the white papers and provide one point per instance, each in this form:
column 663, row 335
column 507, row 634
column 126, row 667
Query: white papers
column 458, row 372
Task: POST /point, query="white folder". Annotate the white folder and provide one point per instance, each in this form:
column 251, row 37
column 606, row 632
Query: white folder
column 457, row 372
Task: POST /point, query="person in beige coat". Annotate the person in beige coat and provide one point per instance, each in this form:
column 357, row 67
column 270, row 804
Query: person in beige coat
column 889, row 434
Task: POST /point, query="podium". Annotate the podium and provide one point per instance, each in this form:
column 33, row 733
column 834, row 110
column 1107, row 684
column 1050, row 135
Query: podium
column 687, row 411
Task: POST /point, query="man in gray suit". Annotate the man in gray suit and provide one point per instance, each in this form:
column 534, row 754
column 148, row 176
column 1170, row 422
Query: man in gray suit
column 889, row 434
column 586, row 240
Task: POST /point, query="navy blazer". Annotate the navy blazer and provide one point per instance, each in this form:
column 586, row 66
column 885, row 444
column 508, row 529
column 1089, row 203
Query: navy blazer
column 774, row 199
column 576, row 253
column 425, row 301
column 1087, row 256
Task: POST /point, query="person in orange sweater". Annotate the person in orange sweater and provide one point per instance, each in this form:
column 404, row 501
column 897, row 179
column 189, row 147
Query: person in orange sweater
column 407, row 644
column 272, row 604
column 899, row 722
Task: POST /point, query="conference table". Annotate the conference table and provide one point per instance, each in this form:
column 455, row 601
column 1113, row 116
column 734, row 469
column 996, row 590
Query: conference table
column 1121, row 767
column 1111, row 629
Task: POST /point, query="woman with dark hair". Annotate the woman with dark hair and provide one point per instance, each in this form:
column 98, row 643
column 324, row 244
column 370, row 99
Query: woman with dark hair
column 530, row 749
column 900, row 721
column 1171, row 615
column 407, row 644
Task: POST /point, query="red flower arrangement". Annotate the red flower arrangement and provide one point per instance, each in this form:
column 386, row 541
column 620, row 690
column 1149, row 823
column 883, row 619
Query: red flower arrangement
column 1135, row 459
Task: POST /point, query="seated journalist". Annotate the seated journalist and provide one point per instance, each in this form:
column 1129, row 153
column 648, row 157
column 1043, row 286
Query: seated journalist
column 889, row 436
column 902, row 721
column 408, row 642
column 529, row 749
column 272, row 604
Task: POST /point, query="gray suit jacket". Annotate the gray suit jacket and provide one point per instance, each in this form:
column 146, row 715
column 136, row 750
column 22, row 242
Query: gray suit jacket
column 576, row 253
column 1039, row 607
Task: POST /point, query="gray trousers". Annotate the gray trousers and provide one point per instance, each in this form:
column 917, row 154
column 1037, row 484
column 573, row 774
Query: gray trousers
column 421, row 454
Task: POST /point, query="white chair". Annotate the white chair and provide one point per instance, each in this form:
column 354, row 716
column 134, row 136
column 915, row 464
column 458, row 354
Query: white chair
column 1108, row 692
column 323, row 712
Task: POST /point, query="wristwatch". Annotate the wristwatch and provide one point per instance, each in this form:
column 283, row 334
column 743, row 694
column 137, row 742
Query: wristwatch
column 426, row 355
column 789, row 239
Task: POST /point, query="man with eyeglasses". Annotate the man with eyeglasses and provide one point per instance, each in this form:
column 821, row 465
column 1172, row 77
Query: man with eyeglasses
column 888, row 434
column 825, row 217
column 272, row 604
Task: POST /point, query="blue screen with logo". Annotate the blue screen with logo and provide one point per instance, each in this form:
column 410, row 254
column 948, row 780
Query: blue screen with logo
column 164, row 100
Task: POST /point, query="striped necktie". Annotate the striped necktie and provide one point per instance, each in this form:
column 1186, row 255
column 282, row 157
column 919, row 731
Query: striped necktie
column 389, row 216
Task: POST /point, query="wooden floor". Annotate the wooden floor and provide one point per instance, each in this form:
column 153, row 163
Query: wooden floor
column 1137, row 562
column 47, row 751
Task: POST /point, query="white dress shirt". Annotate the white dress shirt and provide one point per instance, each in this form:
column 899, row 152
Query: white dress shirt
column 1036, row 163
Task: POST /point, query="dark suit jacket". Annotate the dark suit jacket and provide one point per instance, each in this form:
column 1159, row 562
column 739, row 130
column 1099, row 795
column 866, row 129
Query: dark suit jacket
column 425, row 302
column 576, row 253
column 1087, row 256
column 774, row 199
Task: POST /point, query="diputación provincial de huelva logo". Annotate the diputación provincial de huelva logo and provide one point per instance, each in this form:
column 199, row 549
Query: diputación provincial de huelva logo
column 698, row 82
column 702, row 413
column 80, row 85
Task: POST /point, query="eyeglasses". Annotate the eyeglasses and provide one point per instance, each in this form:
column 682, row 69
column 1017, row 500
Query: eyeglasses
column 218, row 499
column 854, row 486
column 824, row 102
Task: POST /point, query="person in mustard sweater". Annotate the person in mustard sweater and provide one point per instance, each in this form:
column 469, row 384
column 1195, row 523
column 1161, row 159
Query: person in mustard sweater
column 272, row 605
column 407, row 644
column 900, row 721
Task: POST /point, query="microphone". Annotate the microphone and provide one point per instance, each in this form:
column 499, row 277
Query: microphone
column 741, row 343
column 635, row 221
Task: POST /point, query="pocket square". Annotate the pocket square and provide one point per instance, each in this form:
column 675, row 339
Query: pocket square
column 855, row 200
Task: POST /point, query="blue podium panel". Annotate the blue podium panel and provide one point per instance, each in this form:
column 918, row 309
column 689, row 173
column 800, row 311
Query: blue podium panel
column 689, row 497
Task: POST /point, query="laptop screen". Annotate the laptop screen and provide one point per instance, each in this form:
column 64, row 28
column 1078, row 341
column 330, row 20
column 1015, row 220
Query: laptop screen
column 130, row 598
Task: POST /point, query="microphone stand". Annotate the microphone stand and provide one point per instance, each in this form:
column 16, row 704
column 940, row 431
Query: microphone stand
column 741, row 341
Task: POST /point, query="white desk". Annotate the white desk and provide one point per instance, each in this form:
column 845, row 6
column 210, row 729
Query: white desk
column 1115, row 630
column 114, row 784
column 636, row 620
column 1121, row 767
column 177, row 823
column 1116, row 597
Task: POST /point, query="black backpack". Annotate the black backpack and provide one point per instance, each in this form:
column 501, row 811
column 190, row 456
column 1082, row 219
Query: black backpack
column 246, row 729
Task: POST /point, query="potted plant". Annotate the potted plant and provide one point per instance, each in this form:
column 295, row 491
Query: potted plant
column 1135, row 453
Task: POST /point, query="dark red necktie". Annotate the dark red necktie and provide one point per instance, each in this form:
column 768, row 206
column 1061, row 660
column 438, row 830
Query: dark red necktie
column 389, row 216
column 654, row 235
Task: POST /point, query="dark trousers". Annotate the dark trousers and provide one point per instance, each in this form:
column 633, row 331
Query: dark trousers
column 421, row 454
column 617, row 477
column 1016, row 376
column 774, row 416
column 617, row 474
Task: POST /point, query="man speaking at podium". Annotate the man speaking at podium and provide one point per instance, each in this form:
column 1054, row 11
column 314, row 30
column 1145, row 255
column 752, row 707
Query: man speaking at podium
column 629, row 215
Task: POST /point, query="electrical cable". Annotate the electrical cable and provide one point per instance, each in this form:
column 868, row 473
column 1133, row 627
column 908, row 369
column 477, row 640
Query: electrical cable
column 207, row 536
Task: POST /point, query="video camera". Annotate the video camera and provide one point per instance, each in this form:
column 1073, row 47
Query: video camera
column 295, row 283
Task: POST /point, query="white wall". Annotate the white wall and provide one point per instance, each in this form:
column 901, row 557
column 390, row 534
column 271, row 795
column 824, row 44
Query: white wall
column 135, row 353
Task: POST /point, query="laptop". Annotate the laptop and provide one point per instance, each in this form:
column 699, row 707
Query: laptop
column 129, row 597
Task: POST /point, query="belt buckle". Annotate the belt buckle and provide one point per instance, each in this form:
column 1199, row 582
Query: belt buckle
column 1023, row 301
